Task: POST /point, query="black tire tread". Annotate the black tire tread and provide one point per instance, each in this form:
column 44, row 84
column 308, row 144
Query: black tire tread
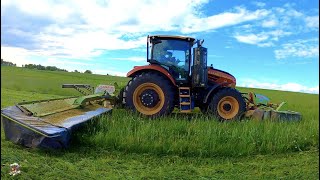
column 227, row 92
column 152, row 77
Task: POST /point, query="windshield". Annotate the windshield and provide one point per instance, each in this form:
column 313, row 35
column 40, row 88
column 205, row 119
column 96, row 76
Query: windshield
column 172, row 53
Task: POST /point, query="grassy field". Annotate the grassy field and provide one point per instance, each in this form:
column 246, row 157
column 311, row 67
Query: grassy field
column 127, row 146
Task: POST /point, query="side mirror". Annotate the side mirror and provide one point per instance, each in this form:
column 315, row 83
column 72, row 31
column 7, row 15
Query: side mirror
column 200, row 42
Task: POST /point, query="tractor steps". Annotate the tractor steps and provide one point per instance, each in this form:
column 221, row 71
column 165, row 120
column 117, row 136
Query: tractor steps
column 185, row 99
column 184, row 103
column 184, row 95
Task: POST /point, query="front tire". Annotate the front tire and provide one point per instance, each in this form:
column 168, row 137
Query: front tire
column 227, row 104
column 150, row 94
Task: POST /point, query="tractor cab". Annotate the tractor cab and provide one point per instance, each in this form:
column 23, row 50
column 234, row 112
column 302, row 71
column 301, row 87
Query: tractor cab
column 174, row 54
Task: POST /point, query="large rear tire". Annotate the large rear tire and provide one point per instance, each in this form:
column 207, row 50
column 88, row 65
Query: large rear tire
column 150, row 94
column 227, row 104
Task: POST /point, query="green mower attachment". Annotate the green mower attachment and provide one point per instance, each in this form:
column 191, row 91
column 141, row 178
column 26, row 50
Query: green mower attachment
column 49, row 123
column 259, row 107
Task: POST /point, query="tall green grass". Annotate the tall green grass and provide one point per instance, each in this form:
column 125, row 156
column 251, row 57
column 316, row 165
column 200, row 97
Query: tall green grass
column 177, row 134
column 99, row 150
column 198, row 135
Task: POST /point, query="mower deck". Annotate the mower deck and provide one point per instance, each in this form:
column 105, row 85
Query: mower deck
column 34, row 124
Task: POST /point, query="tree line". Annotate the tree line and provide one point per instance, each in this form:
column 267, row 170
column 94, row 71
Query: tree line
column 50, row 68
column 40, row 67
column 7, row 63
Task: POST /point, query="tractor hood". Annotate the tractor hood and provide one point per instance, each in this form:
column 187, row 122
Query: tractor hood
column 219, row 76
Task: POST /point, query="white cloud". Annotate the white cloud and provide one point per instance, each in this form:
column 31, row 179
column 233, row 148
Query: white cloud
column 16, row 55
column 280, row 22
column 276, row 34
column 21, row 56
column 266, row 44
column 49, row 9
column 259, row 4
column 291, row 86
column 312, row 21
column 251, row 38
column 55, row 62
column 59, row 30
column 84, row 29
column 269, row 23
column 115, row 15
column 300, row 48
column 85, row 45
column 292, row 12
column 263, row 39
column 20, row 33
column 239, row 15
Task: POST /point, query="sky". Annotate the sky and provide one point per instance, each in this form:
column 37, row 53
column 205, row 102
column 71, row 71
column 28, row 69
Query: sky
column 265, row 44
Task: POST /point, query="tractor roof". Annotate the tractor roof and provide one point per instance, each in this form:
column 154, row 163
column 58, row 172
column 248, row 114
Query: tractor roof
column 173, row 37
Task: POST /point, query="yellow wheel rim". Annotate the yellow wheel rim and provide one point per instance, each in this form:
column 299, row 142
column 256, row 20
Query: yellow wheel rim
column 228, row 107
column 139, row 105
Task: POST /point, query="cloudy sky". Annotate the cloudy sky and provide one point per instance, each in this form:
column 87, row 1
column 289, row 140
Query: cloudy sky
column 265, row 44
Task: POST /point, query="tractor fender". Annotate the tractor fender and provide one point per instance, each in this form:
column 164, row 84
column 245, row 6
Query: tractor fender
column 152, row 67
column 212, row 88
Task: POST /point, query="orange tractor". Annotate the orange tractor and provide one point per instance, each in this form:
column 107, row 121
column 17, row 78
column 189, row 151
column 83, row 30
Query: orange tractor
column 178, row 76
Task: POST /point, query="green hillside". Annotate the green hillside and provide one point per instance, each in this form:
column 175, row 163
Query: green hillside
column 49, row 82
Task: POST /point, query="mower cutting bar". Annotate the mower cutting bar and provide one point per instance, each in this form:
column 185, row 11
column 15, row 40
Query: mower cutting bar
column 52, row 131
column 78, row 85
column 79, row 88
column 49, row 123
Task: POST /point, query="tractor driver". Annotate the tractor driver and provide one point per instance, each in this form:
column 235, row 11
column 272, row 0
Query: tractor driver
column 172, row 62
column 168, row 59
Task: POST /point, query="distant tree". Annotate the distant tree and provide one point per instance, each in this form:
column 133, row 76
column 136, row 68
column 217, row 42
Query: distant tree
column 76, row 71
column 51, row 68
column 40, row 67
column 88, row 71
column 6, row 63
